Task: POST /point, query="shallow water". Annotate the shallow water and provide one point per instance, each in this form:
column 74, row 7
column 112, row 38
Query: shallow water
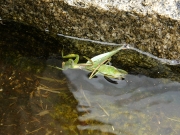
column 37, row 99
column 138, row 104
column 67, row 102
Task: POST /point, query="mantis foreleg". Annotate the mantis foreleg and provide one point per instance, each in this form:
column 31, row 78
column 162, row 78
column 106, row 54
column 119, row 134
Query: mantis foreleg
column 72, row 56
column 89, row 60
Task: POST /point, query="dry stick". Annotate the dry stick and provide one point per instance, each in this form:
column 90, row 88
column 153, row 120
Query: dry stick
column 35, row 130
column 20, row 110
column 35, row 119
column 89, row 40
column 41, row 88
column 48, row 79
column 85, row 97
column 42, row 113
column 171, row 118
column 103, row 110
column 166, row 61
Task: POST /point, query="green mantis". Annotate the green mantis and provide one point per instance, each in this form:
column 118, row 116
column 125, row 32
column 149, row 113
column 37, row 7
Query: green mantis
column 97, row 64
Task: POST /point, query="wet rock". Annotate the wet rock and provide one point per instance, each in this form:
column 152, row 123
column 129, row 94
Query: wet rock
column 150, row 25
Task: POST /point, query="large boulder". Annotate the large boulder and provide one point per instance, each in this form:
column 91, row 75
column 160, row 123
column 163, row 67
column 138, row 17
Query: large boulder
column 150, row 25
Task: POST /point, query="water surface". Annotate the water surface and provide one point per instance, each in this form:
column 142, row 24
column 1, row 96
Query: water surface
column 138, row 104
column 67, row 102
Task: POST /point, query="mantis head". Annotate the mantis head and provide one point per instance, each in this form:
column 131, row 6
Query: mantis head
column 67, row 64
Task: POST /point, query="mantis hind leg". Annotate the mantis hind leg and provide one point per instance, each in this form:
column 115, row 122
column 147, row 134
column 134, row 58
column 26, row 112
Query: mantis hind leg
column 89, row 60
column 95, row 71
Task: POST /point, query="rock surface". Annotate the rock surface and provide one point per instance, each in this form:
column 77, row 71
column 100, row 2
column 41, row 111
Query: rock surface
column 22, row 46
column 152, row 26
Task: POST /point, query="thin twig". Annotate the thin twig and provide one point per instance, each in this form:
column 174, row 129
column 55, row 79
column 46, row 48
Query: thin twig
column 49, row 79
column 103, row 110
column 85, row 97
column 34, row 130
column 172, row 119
column 46, row 89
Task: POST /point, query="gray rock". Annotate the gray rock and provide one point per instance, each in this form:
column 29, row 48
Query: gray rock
column 150, row 25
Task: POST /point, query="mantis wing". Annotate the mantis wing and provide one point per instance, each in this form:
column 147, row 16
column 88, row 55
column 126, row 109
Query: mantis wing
column 102, row 57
